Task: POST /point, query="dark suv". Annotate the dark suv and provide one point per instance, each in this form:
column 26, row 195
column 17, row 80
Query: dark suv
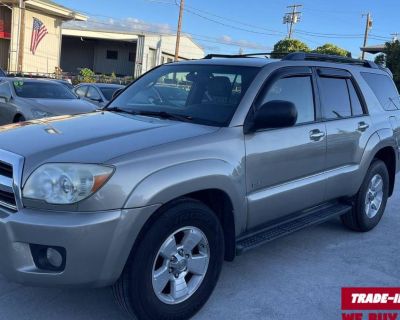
column 194, row 163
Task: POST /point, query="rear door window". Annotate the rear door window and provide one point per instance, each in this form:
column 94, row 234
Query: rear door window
column 356, row 106
column 335, row 98
column 384, row 90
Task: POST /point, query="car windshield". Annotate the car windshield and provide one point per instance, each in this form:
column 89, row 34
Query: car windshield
column 108, row 92
column 42, row 90
column 205, row 94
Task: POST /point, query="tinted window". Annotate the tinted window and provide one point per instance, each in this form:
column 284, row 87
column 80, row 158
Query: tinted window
column 384, row 89
column 297, row 90
column 209, row 94
column 335, row 98
column 356, row 105
column 81, row 91
column 108, row 92
column 42, row 90
column 93, row 94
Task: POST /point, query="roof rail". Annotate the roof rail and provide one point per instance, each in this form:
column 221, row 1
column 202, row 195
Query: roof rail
column 301, row 56
column 246, row 55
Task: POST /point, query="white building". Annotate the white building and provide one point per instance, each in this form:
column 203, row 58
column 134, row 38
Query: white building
column 122, row 53
column 47, row 55
column 76, row 46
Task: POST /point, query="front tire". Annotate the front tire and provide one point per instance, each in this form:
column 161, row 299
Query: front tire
column 370, row 201
column 174, row 269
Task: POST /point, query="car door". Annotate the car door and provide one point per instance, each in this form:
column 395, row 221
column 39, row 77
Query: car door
column 284, row 167
column 7, row 109
column 348, row 126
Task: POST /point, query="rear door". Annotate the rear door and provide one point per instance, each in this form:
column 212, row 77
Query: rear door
column 348, row 127
column 284, row 167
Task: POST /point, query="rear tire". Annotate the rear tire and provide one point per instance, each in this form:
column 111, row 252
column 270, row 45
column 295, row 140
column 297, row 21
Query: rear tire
column 150, row 286
column 370, row 202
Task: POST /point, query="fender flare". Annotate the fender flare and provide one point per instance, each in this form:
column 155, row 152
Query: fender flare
column 178, row 180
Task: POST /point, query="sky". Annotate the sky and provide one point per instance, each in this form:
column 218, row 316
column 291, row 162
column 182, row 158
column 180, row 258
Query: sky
column 225, row 26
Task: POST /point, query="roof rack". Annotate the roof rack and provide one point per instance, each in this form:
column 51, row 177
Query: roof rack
column 247, row 55
column 301, row 56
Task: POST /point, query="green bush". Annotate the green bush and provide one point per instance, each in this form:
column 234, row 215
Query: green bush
column 87, row 75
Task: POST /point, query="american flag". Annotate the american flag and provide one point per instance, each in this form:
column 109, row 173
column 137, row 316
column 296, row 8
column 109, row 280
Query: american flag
column 39, row 31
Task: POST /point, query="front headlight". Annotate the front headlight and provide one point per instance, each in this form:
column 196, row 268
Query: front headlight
column 65, row 183
column 38, row 114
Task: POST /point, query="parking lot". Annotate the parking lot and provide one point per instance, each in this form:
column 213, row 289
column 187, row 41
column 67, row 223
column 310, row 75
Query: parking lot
column 297, row 277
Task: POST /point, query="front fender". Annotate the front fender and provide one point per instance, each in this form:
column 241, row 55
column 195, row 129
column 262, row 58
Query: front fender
column 176, row 181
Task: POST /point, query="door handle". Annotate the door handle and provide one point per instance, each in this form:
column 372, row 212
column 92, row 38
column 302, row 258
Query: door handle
column 362, row 126
column 316, row 135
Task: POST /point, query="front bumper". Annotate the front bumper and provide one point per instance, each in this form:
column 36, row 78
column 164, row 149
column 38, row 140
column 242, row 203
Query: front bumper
column 97, row 244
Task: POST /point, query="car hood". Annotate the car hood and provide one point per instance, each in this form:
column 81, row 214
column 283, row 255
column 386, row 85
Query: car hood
column 62, row 106
column 91, row 138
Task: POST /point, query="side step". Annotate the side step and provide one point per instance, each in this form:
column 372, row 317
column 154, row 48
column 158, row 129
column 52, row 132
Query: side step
column 313, row 217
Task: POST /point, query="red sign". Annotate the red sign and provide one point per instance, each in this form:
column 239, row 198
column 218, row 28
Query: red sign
column 370, row 298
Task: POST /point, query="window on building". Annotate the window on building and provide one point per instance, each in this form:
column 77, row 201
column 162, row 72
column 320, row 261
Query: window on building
column 335, row 98
column 112, row 54
column 298, row 90
column 384, row 90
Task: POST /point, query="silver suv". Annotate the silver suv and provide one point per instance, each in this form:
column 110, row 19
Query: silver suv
column 194, row 163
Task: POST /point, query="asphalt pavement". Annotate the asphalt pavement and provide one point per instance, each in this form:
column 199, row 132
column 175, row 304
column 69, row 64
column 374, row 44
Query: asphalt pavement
column 296, row 277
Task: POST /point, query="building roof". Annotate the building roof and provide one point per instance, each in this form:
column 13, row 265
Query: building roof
column 373, row 49
column 50, row 7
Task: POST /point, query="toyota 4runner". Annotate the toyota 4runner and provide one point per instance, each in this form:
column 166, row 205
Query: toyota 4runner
column 194, row 163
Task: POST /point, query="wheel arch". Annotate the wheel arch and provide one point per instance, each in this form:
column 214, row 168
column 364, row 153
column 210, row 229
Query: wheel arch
column 387, row 154
column 213, row 182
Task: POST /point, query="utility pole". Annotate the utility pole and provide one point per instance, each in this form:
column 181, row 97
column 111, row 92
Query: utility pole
column 21, row 36
column 368, row 26
column 395, row 36
column 292, row 17
column 178, row 32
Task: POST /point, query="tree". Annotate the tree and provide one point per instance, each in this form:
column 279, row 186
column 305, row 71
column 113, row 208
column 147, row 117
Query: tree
column 391, row 59
column 283, row 47
column 332, row 49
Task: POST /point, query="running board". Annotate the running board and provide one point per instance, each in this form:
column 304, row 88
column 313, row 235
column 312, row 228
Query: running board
column 313, row 217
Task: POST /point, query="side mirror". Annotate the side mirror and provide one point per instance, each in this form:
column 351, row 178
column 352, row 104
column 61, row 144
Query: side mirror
column 4, row 98
column 117, row 93
column 275, row 114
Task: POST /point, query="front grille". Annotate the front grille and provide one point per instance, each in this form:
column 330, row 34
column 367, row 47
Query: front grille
column 6, row 170
column 11, row 166
column 7, row 199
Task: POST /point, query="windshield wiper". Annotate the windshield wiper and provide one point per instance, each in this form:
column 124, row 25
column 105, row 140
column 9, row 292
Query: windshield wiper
column 165, row 115
column 158, row 114
column 119, row 110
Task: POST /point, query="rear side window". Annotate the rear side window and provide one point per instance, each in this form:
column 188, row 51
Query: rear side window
column 335, row 98
column 356, row 105
column 297, row 90
column 384, row 89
